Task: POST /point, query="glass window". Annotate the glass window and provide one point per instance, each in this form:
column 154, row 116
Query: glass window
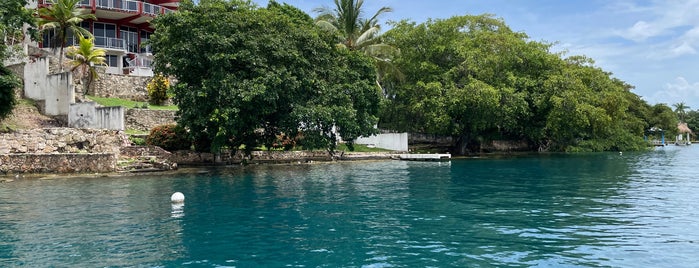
column 145, row 36
column 130, row 37
column 112, row 60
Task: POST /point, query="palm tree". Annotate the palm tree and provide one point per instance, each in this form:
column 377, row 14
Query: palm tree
column 83, row 60
column 64, row 17
column 359, row 33
column 680, row 109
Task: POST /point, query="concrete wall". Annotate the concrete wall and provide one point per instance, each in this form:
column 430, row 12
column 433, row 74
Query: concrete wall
column 390, row 141
column 55, row 91
column 145, row 119
column 59, row 94
column 35, row 81
column 87, row 115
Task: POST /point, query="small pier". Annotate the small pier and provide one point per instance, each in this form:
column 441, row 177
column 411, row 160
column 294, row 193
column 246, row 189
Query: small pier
column 424, row 157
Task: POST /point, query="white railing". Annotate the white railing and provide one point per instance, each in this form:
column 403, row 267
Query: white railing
column 124, row 5
column 152, row 9
column 121, row 5
column 111, row 43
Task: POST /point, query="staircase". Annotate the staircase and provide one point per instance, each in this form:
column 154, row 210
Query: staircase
column 144, row 159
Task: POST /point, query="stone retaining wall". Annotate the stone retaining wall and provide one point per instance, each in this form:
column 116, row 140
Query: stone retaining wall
column 62, row 140
column 60, row 150
column 120, row 86
column 506, row 146
column 146, row 119
column 58, row 163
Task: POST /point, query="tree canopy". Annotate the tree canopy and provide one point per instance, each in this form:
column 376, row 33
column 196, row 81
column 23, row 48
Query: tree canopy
column 248, row 75
column 356, row 32
column 13, row 17
column 63, row 17
column 473, row 78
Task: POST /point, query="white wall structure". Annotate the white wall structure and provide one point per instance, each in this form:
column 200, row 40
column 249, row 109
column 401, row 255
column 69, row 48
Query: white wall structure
column 390, row 141
column 88, row 115
column 35, row 81
column 59, row 94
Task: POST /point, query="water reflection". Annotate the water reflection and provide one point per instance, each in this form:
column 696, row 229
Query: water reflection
column 630, row 210
column 84, row 222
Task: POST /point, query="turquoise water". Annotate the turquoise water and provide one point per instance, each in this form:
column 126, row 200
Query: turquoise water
column 581, row 210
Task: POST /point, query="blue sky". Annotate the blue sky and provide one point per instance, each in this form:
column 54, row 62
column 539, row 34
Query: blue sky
column 650, row 44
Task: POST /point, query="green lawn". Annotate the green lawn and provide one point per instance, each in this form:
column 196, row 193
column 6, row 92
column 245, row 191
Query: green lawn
column 128, row 103
column 360, row 148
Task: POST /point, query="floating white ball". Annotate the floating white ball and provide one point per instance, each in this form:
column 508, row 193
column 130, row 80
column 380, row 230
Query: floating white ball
column 177, row 197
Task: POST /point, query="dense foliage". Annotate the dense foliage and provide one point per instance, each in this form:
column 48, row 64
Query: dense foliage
column 61, row 19
column 84, row 57
column 472, row 78
column 8, row 82
column 247, row 75
column 169, row 137
column 13, row 17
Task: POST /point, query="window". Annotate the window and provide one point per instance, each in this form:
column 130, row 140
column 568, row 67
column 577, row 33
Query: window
column 145, row 36
column 130, row 37
column 105, row 36
column 49, row 37
column 112, row 60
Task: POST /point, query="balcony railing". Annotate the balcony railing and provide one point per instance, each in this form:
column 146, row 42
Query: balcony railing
column 123, row 5
column 110, row 43
column 152, row 9
column 119, row 5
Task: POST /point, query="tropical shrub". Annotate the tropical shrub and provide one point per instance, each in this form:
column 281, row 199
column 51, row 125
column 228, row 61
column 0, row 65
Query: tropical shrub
column 169, row 137
column 8, row 82
column 157, row 89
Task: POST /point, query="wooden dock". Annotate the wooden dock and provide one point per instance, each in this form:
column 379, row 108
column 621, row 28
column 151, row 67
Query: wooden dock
column 424, row 157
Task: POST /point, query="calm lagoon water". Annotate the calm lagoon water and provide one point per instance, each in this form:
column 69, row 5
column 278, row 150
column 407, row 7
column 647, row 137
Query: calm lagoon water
column 557, row 210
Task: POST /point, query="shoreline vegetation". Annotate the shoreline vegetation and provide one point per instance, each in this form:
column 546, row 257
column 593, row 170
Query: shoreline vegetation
column 251, row 77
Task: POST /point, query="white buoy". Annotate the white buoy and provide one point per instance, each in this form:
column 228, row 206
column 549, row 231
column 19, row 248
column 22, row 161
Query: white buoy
column 177, row 197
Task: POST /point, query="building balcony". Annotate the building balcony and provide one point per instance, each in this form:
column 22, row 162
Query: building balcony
column 131, row 11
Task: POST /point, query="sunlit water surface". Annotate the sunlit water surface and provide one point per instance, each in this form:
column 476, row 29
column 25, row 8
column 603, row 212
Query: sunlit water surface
column 558, row 210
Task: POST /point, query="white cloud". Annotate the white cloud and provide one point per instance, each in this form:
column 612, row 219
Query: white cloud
column 683, row 49
column 641, row 31
column 663, row 19
column 679, row 90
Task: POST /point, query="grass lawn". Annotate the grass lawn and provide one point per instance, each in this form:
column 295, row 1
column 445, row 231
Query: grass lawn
column 360, row 148
column 128, row 103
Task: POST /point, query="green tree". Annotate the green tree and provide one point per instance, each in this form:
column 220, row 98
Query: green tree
column 359, row 33
column 8, row 83
column 693, row 120
column 663, row 117
column 262, row 72
column 63, row 17
column 473, row 78
column 465, row 77
column 84, row 57
column 13, row 17
column 681, row 110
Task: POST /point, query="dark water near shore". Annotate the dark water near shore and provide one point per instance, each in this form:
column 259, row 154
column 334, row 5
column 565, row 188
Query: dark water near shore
column 559, row 210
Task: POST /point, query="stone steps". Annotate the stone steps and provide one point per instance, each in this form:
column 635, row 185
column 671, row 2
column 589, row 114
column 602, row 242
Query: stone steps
column 142, row 161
